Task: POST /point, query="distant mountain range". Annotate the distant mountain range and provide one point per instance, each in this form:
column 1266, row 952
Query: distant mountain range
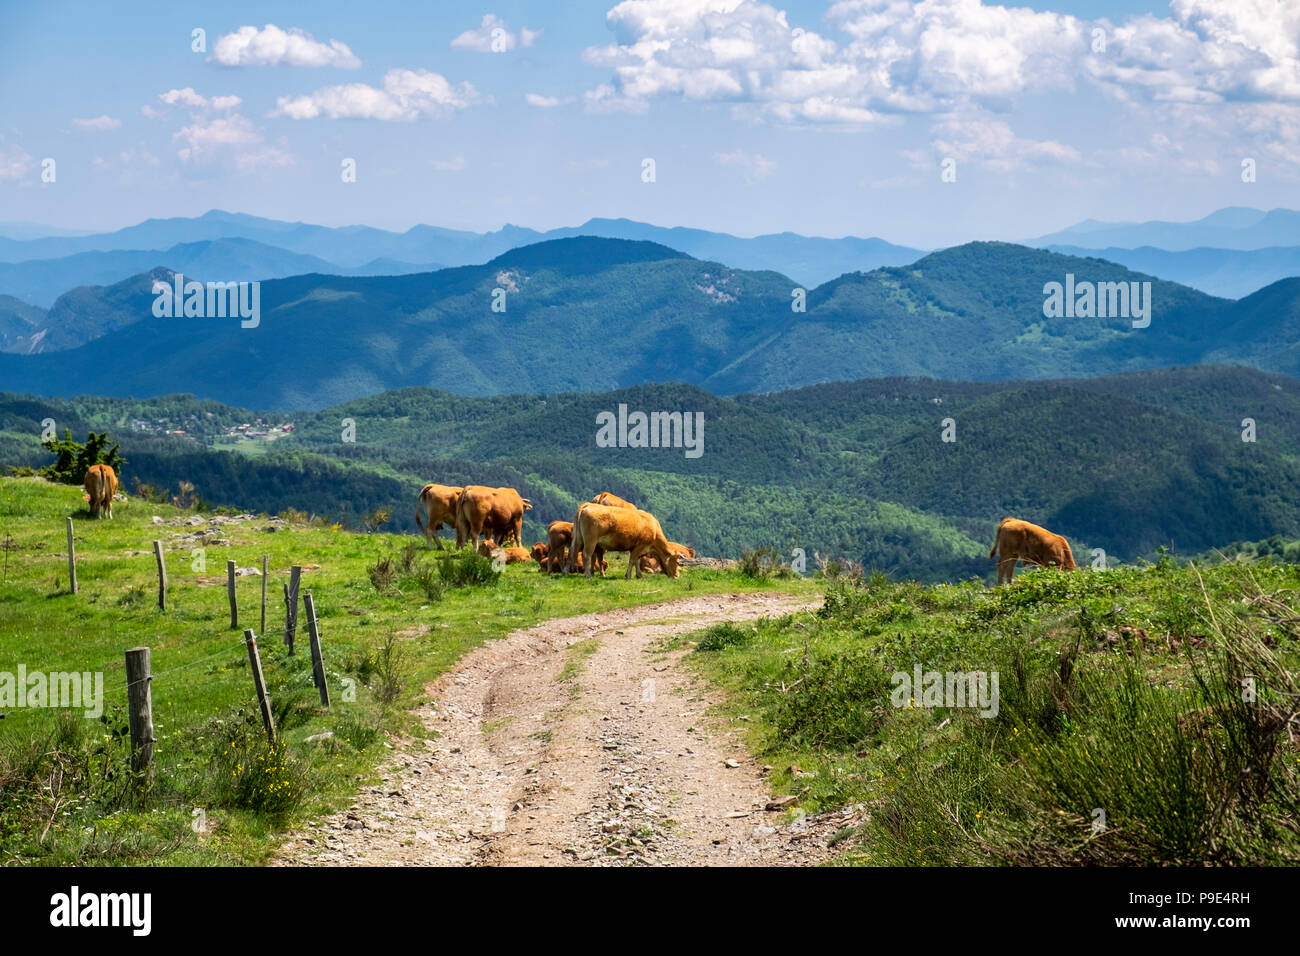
column 46, row 267
column 41, row 281
column 596, row 314
column 1230, row 273
column 1234, row 227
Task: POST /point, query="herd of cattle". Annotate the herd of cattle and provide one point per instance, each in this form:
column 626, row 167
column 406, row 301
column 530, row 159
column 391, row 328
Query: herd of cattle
column 606, row 523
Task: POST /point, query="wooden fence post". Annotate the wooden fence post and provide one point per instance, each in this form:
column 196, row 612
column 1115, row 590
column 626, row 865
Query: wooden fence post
column 291, row 606
column 230, row 589
column 139, row 706
column 259, row 681
column 72, row 561
column 162, row 575
column 317, row 658
column 265, row 559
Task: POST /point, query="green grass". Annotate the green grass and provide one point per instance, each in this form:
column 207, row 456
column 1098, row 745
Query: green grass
column 1120, row 694
column 65, row 791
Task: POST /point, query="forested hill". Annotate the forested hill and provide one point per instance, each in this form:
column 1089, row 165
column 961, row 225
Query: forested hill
column 1125, row 463
column 590, row 314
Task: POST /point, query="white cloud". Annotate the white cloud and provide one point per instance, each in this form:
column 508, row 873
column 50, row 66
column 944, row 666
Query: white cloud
column 272, row 46
column 939, row 56
column 232, row 139
column 15, row 163
column 753, row 166
column 494, row 36
column 188, row 97
column 406, row 95
column 543, row 102
column 993, row 144
column 449, row 165
column 605, row 99
column 97, row 124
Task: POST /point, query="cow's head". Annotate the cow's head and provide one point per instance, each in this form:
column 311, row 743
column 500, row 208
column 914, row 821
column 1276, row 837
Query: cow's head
column 540, row 552
column 670, row 565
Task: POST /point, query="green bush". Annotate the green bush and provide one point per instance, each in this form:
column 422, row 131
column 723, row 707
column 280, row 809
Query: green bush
column 76, row 459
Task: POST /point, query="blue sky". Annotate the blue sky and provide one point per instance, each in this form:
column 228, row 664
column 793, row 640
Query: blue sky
column 820, row 118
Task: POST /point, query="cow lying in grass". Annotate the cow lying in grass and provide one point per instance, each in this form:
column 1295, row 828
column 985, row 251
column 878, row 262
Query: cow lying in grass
column 1018, row 540
column 490, row 549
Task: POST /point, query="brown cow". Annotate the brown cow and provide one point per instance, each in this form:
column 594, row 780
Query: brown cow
column 101, row 486
column 541, row 554
column 559, row 537
column 572, row 562
column 490, row 549
column 498, row 512
column 1021, row 541
column 650, row 565
column 611, row 501
column 437, row 505
column 623, row 529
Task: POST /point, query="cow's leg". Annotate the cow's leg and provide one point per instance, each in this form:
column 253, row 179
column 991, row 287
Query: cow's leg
column 588, row 554
column 632, row 557
column 1007, row 569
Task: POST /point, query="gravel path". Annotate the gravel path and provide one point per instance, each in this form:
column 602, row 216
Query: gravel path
column 577, row 742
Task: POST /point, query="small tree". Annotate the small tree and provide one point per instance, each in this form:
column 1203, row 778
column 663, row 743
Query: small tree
column 76, row 459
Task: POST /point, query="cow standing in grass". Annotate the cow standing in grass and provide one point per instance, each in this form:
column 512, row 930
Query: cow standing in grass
column 623, row 529
column 1018, row 540
column 495, row 512
column 437, row 505
column 101, row 486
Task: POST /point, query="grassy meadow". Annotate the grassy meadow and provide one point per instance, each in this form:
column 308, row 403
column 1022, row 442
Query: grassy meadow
column 392, row 617
column 1147, row 716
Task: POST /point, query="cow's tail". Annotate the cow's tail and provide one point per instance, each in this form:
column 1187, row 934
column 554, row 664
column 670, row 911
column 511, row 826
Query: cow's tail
column 419, row 509
column 997, row 538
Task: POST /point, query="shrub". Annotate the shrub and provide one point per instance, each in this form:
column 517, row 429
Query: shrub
column 383, row 572
column 834, row 703
column 459, row 569
column 725, row 635
column 76, row 459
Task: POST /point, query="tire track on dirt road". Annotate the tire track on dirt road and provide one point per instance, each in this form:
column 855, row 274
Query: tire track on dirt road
column 579, row 741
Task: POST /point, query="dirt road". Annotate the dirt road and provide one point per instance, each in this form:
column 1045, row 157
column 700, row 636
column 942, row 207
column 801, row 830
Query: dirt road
column 577, row 742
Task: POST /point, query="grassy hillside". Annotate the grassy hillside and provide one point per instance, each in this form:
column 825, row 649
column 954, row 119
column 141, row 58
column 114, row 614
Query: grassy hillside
column 1123, row 733
column 65, row 794
column 594, row 314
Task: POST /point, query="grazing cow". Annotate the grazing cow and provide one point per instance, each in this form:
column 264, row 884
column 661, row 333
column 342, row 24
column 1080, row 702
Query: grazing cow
column 1021, row 541
column 101, row 486
column 437, row 505
column 611, row 501
column 559, row 537
column 574, row 559
column 650, row 565
column 498, row 512
column 623, row 529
